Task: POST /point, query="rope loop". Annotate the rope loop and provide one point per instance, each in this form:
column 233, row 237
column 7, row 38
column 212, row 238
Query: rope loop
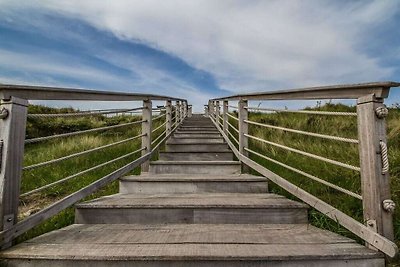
column 3, row 113
column 381, row 112
column 389, row 205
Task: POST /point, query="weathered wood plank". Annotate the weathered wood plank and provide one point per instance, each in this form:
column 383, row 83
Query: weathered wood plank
column 12, row 137
column 146, row 130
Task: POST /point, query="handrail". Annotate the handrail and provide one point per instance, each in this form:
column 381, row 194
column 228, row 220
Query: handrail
column 14, row 107
column 377, row 229
column 347, row 91
column 61, row 93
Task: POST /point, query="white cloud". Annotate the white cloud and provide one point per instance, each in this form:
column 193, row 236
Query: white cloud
column 245, row 45
column 250, row 45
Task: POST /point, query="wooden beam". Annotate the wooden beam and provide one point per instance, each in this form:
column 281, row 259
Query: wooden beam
column 59, row 93
column 375, row 184
column 347, row 91
column 146, row 130
column 168, row 118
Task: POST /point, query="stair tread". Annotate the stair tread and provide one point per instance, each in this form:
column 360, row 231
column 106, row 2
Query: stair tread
column 203, row 162
column 194, row 177
column 200, row 200
column 190, row 242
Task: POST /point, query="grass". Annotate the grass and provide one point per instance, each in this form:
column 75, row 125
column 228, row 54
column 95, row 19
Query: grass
column 59, row 147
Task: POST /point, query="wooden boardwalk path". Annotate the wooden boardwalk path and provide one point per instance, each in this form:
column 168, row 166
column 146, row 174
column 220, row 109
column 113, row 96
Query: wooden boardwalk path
column 193, row 208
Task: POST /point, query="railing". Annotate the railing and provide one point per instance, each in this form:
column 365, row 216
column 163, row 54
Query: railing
column 157, row 124
column 236, row 128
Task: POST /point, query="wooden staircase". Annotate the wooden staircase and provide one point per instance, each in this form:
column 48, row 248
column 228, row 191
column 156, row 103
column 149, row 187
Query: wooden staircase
column 193, row 208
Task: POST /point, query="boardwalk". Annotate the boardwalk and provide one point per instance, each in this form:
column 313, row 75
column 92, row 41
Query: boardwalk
column 193, row 208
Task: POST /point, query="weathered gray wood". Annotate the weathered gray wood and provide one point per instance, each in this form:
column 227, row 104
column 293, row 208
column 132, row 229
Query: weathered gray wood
column 347, row 91
column 146, row 129
column 190, row 111
column 217, row 113
column 12, row 138
column 380, row 242
column 225, row 116
column 375, row 185
column 177, row 112
column 59, row 93
column 168, row 118
column 32, row 221
column 243, row 130
column 192, row 245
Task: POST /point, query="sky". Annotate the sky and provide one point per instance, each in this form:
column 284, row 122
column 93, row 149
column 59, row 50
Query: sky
column 199, row 49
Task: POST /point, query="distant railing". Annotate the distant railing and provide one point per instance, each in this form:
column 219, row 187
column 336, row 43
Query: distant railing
column 157, row 124
column 375, row 183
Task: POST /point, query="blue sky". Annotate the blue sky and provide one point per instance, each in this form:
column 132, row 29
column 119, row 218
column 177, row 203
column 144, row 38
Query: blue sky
column 199, row 49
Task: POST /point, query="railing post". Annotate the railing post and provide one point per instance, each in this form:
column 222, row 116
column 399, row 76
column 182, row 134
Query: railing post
column 177, row 112
column 190, row 111
column 168, row 117
column 146, row 130
column 243, row 129
column 12, row 139
column 375, row 182
column 182, row 112
column 185, row 109
column 211, row 109
column 225, row 116
column 217, row 113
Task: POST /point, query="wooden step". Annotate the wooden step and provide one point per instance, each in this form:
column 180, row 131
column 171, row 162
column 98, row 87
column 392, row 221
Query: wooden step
column 186, row 140
column 195, row 147
column 198, row 129
column 236, row 208
column 197, row 156
column 183, row 183
column 196, row 135
column 191, row 245
column 195, row 167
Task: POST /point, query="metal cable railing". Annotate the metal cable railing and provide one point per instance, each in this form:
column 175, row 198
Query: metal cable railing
column 82, row 113
column 313, row 112
column 330, row 137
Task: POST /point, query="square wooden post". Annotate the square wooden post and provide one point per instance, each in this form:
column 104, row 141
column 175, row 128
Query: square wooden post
column 146, row 130
column 375, row 181
column 243, row 130
column 177, row 113
column 182, row 112
column 225, row 110
column 168, row 117
column 190, row 111
column 12, row 141
column 217, row 114
column 211, row 110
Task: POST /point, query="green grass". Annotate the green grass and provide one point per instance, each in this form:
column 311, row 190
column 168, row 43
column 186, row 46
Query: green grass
column 59, row 147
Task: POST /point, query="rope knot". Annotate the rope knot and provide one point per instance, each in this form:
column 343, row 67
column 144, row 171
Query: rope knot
column 381, row 112
column 389, row 205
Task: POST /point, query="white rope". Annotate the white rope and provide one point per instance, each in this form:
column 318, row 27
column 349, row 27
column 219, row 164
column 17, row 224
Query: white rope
column 83, row 113
column 233, row 117
column 336, row 138
column 233, row 137
column 80, row 173
column 233, row 127
column 34, row 166
column 341, row 164
column 332, row 113
column 158, row 117
column 40, row 139
column 159, row 127
column 155, row 140
column 384, row 156
column 343, row 190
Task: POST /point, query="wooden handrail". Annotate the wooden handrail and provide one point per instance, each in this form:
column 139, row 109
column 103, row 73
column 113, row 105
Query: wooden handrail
column 347, row 91
column 59, row 93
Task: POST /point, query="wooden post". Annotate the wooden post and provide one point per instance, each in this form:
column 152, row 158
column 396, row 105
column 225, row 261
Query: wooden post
column 225, row 116
column 182, row 111
column 146, row 129
column 185, row 109
column 243, row 129
column 168, row 117
column 375, row 181
column 190, row 111
column 217, row 114
column 177, row 113
column 211, row 109
column 206, row 109
column 12, row 138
